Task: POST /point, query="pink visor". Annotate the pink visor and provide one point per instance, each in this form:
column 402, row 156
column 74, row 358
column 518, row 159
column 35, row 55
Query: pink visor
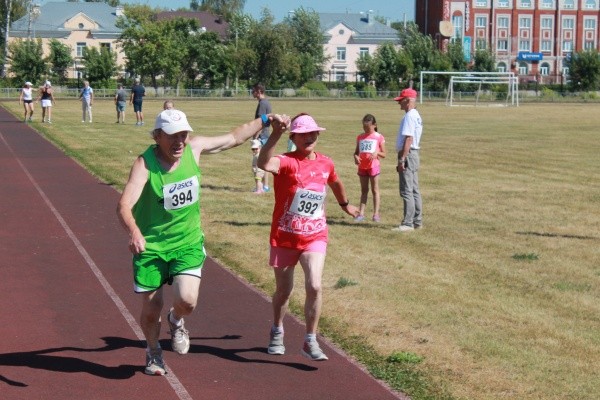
column 305, row 124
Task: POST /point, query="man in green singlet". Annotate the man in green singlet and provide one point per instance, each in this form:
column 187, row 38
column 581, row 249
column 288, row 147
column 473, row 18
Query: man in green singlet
column 160, row 210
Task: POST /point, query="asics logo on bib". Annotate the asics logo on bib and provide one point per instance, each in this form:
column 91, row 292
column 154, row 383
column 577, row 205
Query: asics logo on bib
column 311, row 196
column 181, row 185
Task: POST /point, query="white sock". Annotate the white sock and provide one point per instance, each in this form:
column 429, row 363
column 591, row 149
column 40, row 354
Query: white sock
column 277, row 329
column 310, row 337
column 176, row 322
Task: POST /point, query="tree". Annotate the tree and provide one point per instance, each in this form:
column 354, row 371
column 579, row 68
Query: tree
column 584, row 70
column 365, row 66
column 10, row 10
column 145, row 44
column 268, row 43
column 59, row 60
column 386, row 73
column 241, row 55
column 420, row 47
column 484, row 61
column 307, row 41
column 27, row 60
column 224, row 8
column 456, row 56
column 100, row 66
column 207, row 59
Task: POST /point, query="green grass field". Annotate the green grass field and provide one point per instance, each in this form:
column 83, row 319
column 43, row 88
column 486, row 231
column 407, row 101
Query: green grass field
column 496, row 298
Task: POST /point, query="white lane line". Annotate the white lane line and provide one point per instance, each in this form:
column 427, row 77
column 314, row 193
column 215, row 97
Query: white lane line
column 177, row 386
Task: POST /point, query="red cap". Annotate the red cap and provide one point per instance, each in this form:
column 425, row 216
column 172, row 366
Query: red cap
column 406, row 93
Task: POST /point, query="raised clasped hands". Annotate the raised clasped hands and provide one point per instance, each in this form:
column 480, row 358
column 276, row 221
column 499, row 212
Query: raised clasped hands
column 280, row 123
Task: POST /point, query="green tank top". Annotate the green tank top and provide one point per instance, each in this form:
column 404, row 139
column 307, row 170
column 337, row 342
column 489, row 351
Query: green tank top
column 168, row 210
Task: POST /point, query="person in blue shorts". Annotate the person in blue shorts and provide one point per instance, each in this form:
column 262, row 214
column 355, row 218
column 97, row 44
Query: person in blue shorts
column 120, row 103
column 138, row 91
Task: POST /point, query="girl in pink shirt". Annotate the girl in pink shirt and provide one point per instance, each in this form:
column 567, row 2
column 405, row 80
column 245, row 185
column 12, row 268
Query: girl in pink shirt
column 299, row 228
column 370, row 147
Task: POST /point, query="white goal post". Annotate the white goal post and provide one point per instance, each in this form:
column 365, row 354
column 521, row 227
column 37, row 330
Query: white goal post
column 478, row 78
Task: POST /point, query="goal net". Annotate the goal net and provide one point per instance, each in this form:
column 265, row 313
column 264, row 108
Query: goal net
column 478, row 88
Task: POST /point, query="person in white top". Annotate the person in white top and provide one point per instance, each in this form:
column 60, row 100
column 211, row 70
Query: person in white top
column 26, row 98
column 408, row 145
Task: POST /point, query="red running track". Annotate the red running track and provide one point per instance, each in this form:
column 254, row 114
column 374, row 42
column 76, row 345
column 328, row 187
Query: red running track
column 69, row 315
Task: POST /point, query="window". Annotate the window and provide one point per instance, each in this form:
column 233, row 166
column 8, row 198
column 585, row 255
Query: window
column 481, row 44
column 524, row 45
column 480, row 22
column 341, row 32
column 502, row 45
column 457, row 21
column 502, row 22
column 565, row 71
column 547, row 4
column 340, row 76
column 105, row 46
column 546, row 23
column 80, row 25
column 481, row 3
column 524, row 22
column 589, row 23
column 526, row 3
column 545, row 69
column 570, row 4
column 567, row 46
column 341, row 54
column 80, row 47
column 590, row 4
column 501, row 67
column 523, row 68
column 502, row 3
column 589, row 45
column 546, row 46
column 363, row 51
column 568, row 23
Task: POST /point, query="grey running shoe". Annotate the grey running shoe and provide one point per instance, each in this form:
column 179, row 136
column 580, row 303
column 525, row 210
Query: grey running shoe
column 312, row 351
column 276, row 344
column 154, row 363
column 180, row 338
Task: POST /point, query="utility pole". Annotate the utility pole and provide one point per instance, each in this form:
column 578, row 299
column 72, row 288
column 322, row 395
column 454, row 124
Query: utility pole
column 29, row 9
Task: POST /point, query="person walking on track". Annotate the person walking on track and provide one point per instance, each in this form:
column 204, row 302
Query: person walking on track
column 299, row 231
column 160, row 210
column 26, row 98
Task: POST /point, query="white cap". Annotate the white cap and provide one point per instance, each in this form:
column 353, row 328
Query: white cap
column 28, row 83
column 172, row 121
column 255, row 144
column 47, row 83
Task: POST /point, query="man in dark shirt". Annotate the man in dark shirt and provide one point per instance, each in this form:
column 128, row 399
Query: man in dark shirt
column 137, row 97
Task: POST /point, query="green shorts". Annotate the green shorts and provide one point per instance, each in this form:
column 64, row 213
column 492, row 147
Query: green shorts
column 151, row 269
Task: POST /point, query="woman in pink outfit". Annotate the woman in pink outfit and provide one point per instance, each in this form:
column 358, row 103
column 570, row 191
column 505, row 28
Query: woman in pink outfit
column 299, row 228
column 370, row 147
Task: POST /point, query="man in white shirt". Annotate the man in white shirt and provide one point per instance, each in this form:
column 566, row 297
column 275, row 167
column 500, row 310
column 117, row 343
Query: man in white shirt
column 407, row 146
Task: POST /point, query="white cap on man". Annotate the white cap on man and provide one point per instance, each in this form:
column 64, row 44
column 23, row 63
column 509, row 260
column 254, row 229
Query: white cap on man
column 172, row 121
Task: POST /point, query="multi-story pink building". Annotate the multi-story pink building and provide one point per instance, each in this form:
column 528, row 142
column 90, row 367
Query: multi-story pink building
column 529, row 37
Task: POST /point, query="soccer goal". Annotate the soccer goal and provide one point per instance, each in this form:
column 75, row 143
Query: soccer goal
column 478, row 88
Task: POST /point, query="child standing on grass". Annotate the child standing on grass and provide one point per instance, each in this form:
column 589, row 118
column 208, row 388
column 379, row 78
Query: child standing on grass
column 258, row 173
column 370, row 147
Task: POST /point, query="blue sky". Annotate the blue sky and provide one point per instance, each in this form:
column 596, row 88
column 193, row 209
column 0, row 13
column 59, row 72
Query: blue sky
column 393, row 9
